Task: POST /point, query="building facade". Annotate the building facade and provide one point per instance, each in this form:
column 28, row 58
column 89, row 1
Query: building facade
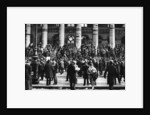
column 75, row 34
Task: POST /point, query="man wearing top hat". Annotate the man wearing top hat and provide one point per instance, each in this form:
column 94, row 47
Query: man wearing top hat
column 68, row 63
column 72, row 75
column 111, row 74
column 55, row 66
column 49, row 72
column 85, row 74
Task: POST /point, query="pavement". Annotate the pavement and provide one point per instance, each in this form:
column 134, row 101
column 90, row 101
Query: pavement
column 101, row 83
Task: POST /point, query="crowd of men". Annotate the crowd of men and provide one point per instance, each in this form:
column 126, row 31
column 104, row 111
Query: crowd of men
column 86, row 62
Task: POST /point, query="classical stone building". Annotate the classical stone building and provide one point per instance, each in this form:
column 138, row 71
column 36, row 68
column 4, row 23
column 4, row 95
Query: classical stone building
column 75, row 34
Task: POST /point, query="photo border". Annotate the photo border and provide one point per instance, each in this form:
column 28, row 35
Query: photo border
column 4, row 27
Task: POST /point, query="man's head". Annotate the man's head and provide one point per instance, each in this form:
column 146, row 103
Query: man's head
column 90, row 63
column 111, row 62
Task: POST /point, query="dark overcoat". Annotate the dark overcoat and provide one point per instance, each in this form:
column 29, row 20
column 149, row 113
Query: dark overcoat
column 111, row 74
column 100, row 65
column 72, row 73
column 28, row 70
column 117, row 69
column 84, row 70
column 48, row 70
column 122, row 68
column 28, row 78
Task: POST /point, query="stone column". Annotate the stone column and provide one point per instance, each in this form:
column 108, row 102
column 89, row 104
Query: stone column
column 28, row 35
column 112, row 36
column 78, row 36
column 95, row 36
column 61, row 35
column 44, row 35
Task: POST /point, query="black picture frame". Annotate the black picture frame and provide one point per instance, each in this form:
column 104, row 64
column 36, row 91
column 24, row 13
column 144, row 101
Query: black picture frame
column 25, row 3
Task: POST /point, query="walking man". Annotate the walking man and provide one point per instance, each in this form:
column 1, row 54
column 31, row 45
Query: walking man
column 72, row 75
column 111, row 74
column 49, row 72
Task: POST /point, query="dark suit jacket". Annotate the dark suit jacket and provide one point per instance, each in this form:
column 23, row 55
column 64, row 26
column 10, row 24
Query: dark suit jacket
column 84, row 70
column 117, row 66
column 111, row 73
column 100, row 66
column 48, row 70
column 28, row 70
column 122, row 69
column 72, row 73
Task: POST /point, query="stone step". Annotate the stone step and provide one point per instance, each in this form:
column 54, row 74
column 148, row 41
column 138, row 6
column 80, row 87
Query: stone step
column 78, row 87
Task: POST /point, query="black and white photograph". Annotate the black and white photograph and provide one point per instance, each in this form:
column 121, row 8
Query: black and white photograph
column 75, row 56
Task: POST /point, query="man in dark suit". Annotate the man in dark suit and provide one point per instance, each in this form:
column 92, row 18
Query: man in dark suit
column 79, row 63
column 72, row 75
column 28, row 78
column 111, row 74
column 117, row 65
column 122, row 70
column 100, row 67
column 85, row 74
column 54, row 65
column 49, row 72
column 68, row 63
column 42, row 69
column 61, row 65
